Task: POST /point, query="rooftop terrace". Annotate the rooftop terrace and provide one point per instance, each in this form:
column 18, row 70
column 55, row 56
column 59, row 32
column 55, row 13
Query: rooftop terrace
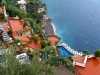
column 92, row 67
column 15, row 25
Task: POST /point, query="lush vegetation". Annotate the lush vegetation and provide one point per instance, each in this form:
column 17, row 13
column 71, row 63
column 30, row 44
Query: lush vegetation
column 13, row 11
column 56, row 60
column 12, row 66
column 10, row 32
column 48, row 52
column 32, row 8
column 1, row 16
column 13, row 3
column 43, row 44
column 30, row 20
column 36, row 38
column 37, row 28
column 97, row 53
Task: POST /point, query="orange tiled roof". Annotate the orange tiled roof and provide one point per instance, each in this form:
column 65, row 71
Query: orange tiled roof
column 6, row 29
column 15, row 33
column 53, row 40
column 23, row 38
column 92, row 67
column 15, row 25
column 34, row 45
column 78, row 58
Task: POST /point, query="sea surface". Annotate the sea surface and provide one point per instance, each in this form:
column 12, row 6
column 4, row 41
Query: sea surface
column 77, row 22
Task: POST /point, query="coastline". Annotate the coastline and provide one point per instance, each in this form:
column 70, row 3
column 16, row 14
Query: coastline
column 54, row 28
column 49, row 27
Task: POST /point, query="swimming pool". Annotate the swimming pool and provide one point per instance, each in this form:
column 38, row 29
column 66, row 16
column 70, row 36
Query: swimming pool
column 64, row 52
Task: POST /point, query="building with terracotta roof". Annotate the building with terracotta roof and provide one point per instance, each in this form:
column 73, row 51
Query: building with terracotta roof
column 20, row 32
column 86, row 65
column 15, row 25
column 23, row 39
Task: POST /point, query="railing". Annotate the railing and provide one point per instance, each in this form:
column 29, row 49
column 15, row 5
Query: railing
column 77, row 72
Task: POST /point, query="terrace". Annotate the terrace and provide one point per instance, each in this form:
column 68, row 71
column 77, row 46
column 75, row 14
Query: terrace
column 92, row 66
column 53, row 40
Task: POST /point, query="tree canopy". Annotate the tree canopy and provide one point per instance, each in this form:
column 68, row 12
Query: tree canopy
column 97, row 53
column 12, row 66
column 13, row 11
column 32, row 8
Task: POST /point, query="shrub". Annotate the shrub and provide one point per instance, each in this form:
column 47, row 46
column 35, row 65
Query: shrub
column 97, row 53
column 10, row 32
column 29, row 50
column 12, row 66
column 55, row 61
column 13, row 11
column 2, row 16
column 30, row 20
column 36, row 38
column 49, row 43
column 43, row 44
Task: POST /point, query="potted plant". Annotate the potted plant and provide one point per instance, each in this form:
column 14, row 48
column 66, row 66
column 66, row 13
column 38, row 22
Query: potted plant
column 36, row 39
column 10, row 32
column 97, row 54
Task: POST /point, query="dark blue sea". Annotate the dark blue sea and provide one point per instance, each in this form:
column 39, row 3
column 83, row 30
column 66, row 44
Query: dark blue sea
column 77, row 22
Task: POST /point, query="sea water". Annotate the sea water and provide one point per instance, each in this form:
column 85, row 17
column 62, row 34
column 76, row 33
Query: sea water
column 77, row 22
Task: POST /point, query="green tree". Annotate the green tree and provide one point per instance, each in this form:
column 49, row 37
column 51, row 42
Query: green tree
column 9, row 2
column 21, row 15
column 56, row 60
column 32, row 9
column 37, row 28
column 14, row 67
column 36, row 38
column 31, row 21
column 10, row 32
column 43, row 44
column 97, row 53
column 13, row 11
